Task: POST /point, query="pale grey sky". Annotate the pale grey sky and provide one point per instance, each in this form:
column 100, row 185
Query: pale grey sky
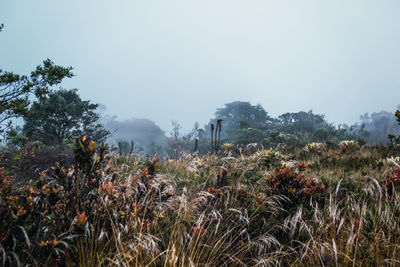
column 181, row 59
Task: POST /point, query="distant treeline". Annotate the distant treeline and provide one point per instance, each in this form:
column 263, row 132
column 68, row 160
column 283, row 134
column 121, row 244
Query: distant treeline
column 244, row 123
column 55, row 117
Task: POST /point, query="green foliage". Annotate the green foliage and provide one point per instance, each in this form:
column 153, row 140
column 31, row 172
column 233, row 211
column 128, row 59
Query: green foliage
column 291, row 183
column 39, row 215
column 241, row 121
column 62, row 115
column 181, row 144
column 244, row 123
column 395, row 140
column 235, row 113
column 310, row 127
column 374, row 128
column 24, row 161
column 15, row 90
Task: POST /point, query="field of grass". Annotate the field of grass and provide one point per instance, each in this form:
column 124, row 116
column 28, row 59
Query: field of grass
column 323, row 205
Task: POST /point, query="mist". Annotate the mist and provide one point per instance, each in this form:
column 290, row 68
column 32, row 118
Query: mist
column 179, row 60
column 143, row 132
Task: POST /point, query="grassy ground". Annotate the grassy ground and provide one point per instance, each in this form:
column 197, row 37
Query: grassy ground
column 322, row 206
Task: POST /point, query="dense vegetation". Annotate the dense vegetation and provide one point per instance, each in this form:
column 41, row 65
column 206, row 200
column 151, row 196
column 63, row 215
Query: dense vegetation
column 319, row 205
column 245, row 190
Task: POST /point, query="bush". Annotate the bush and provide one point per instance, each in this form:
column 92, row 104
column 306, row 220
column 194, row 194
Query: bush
column 292, row 184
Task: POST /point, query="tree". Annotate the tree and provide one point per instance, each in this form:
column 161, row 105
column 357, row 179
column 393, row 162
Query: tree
column 376, row 127
column 302, row 121
column 393, row 138
column 63, row 115
column 235, row 112
column 15, row 89
column 238, row 118
column 145, row 133
column 310, row 127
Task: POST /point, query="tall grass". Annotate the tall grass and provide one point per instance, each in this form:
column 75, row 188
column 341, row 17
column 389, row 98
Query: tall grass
column 271, row 212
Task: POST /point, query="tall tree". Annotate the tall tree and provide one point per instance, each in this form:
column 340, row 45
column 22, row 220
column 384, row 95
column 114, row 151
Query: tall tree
column 15, row 90
column 238, row 118
column 236, row 112
column 145, row 133
column 63, row 115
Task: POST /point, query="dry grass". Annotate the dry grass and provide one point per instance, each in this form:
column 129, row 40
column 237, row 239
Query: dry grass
column 185, row 219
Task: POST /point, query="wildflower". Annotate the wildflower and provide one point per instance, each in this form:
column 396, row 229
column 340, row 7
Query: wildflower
column 227, row 147
column 54, row 241
column 21, row 211
column 11, row 198
column 59, row 206
column 31, row 190
column 92, row 146
column 44, row 243
column 169, row 192
column 81, row 219
column 146, row 172
column 302, row 166
column 292, row 190
column 155, row 160
column 107, row 188
column 136, row 208
column 199, row 230
column 84, row 138
column 314, row 147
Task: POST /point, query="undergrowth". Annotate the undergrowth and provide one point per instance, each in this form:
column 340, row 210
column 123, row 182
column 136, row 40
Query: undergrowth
column 326, row 206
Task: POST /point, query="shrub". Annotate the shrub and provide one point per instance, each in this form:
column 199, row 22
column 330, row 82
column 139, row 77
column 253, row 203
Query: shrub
column 292, row 184
column 349, row 146
column 315, row 147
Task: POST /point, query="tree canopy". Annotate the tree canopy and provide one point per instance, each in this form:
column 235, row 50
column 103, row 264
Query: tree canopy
column 237, row 117
column 63, row 115
column 16, row 89
column 143, row 132
column 244, row 123
column 236, row 112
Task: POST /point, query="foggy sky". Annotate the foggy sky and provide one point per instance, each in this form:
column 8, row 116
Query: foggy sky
column 181, row 59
